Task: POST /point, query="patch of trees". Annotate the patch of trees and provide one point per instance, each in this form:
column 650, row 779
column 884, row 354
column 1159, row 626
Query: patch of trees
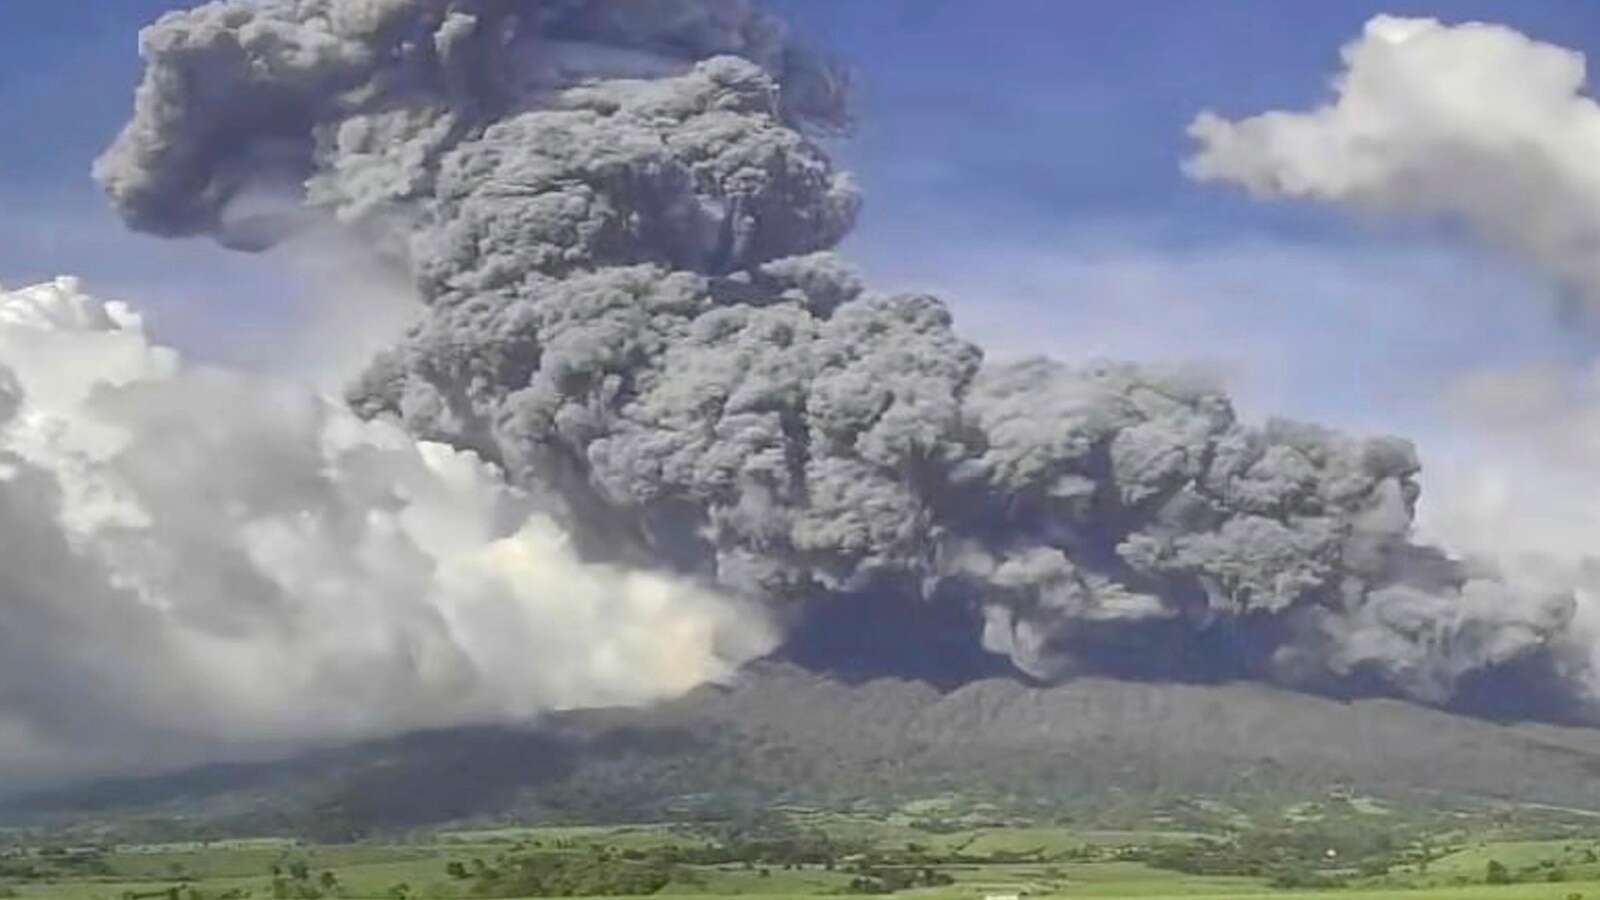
column 1299, row 876
column 1207, row 857
column 889, row 880
column 292, row 880
column 54, row 862
column 1496, row 873
column 1292, row 857
column 563, row 875
column 807, row 849
column 186, row 892
column 16, row 870
column 785, row 847
column 1547, row 870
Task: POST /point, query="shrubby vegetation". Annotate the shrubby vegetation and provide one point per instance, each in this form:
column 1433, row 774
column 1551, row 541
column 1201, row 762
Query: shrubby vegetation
column 1320, row 855
column 564, row 875
column 1496, row 873
column 889, row 880
column 955, row 845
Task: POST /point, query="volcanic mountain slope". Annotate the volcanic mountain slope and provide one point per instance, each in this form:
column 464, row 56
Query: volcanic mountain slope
column 788, row 731
column 784, row 734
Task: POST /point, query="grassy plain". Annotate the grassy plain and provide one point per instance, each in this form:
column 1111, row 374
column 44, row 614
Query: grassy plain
column 967, row 863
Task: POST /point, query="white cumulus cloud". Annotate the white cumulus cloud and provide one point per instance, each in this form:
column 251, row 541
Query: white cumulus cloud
column 1476, row 123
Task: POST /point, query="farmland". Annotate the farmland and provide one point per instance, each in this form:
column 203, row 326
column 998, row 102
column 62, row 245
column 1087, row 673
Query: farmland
column 929, row 851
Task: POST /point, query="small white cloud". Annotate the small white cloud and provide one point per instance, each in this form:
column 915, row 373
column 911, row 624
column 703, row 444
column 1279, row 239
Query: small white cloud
column 1475, row 122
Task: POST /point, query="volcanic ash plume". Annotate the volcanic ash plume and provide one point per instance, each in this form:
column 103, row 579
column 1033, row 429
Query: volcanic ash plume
column 621, row 230
column 201, row 564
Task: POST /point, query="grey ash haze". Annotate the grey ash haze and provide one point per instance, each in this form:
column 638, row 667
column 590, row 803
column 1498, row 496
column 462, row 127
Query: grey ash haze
column 620, row 221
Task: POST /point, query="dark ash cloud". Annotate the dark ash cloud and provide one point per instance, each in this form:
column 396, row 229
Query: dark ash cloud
column 621, row 229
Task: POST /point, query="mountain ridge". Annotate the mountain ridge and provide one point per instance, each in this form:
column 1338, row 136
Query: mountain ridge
column 778, row 734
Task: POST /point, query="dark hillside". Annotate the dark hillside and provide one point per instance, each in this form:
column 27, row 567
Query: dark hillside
column 785, row 734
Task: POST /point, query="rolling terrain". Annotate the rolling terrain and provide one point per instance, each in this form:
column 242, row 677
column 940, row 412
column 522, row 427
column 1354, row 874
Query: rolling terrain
column 782, row 735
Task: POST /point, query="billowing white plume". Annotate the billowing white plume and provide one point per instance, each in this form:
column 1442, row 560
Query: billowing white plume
column 201, row 563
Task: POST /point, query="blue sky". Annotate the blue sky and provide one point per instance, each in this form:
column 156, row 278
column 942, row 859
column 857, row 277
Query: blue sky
column 1019, row 157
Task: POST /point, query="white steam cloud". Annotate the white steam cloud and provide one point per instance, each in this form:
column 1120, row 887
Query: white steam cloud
column 201, row 563
column 1529, row 496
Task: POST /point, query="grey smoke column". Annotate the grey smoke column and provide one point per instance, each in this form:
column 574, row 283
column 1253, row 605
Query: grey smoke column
column 621, row 229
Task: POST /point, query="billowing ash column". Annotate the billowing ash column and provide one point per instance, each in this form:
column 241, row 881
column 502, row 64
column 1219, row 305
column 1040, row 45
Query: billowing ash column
column 621, row 229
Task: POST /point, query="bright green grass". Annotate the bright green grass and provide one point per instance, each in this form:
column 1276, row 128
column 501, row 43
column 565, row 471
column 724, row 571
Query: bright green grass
column 372, row 871
column 1474, row 858
column 637, row 837
column 221, row 862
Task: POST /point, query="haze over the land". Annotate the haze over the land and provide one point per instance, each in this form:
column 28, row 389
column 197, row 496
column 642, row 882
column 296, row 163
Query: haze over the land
column 646, row 425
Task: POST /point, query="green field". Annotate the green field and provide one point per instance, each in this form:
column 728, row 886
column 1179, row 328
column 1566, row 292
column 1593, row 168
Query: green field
column 807, row 853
